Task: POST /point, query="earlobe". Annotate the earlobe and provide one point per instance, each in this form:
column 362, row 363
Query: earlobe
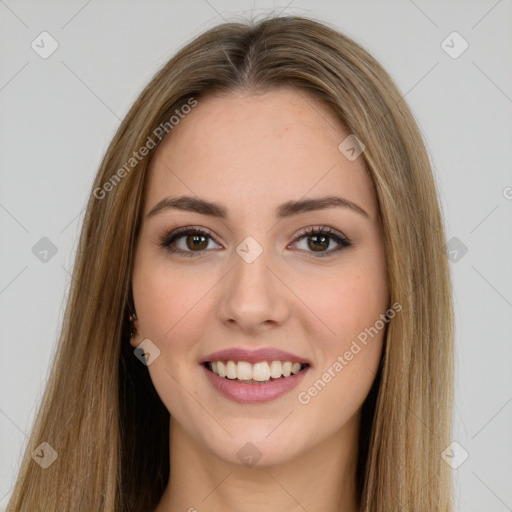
column 134, row 342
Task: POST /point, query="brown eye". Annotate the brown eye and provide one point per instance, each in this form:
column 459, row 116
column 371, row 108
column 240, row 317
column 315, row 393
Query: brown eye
column 196, row 242
column 193, row 241
column 319, row 239
column 318, row 243
column 186, row 241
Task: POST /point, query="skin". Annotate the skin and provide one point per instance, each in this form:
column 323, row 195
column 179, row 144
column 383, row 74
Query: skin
column 252, row 152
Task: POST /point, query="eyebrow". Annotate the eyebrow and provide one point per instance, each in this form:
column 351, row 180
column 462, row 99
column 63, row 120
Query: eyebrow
column 288, row 209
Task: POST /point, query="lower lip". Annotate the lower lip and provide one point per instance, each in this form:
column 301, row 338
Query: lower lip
column 251, row 393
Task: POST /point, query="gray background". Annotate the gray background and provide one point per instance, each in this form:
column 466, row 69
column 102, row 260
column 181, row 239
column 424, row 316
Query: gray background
column 59, row 113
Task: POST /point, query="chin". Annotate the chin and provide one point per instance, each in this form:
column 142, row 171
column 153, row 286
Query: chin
column 259, row 446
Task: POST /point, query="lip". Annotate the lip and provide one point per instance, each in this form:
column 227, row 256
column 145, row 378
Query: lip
column 254, row 356
column 253, row 393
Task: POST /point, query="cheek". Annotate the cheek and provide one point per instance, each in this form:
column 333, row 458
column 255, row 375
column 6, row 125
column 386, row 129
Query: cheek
column 349, row 336
column 165, row 299
column 347, row 302
column 168, row 309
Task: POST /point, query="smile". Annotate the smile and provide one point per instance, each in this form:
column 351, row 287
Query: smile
column 247, row 391
column 257, row 373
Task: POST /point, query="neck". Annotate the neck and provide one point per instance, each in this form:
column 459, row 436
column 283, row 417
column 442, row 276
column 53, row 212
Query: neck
column 321, row 479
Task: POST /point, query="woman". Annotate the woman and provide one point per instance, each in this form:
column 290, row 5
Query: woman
column 260, row 315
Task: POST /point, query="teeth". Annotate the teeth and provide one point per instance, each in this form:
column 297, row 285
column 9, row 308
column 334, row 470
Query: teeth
column 276, row 369
column 243, row 371
column 231, row 370
column 296, row 368
column 221, row 369
column 261, row 372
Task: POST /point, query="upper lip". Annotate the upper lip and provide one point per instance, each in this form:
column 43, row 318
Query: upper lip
column 253, row 356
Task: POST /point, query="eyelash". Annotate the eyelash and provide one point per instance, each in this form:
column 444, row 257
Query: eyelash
column 168, row 239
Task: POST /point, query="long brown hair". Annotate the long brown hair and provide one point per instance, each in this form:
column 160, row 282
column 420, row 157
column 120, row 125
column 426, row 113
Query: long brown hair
column 100, row 411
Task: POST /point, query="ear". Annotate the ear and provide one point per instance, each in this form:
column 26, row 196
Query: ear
column 135, row 339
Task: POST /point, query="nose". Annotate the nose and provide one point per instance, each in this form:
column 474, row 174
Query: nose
column 253, row 296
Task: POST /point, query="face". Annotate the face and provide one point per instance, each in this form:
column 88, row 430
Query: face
column 266, row 283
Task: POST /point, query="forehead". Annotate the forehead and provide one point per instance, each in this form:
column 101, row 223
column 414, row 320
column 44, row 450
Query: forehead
column 255, row 150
